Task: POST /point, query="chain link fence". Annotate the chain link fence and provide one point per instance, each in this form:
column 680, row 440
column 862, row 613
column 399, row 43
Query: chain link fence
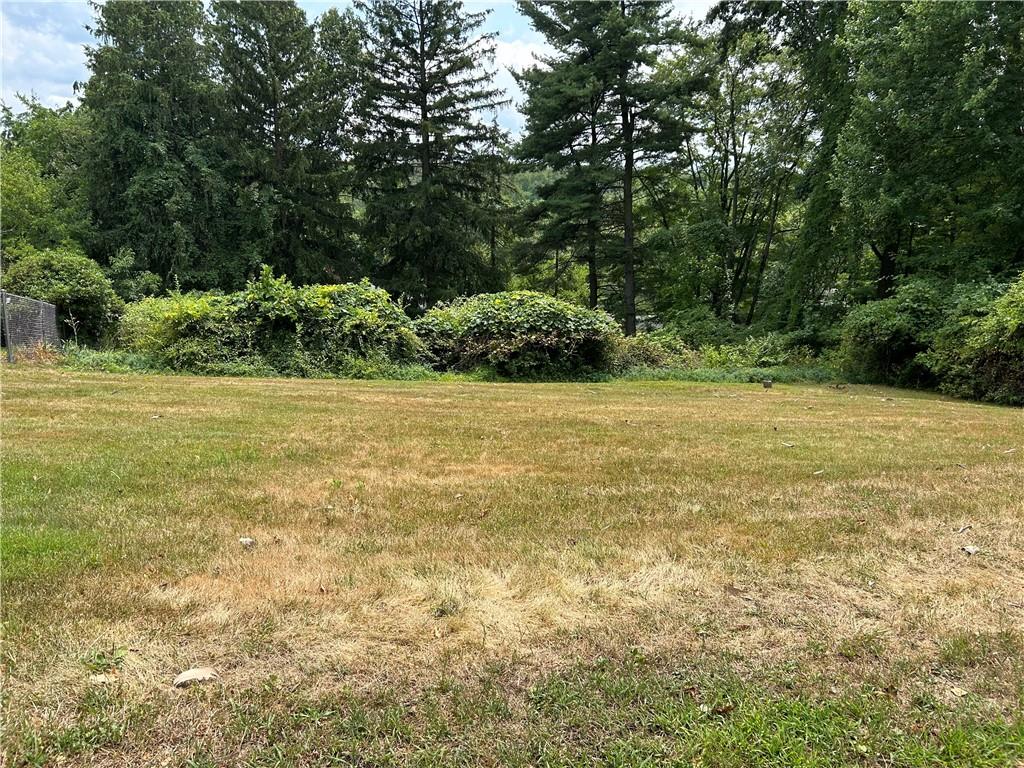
column 27, row 325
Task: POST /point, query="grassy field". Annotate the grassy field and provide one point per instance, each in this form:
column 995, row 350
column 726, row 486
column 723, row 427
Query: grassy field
column 624, row 574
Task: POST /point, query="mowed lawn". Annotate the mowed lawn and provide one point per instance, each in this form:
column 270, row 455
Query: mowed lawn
column 454, row 573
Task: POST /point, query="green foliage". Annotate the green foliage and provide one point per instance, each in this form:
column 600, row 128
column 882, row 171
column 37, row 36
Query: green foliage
column 42, row 179
column 153, row 170
column 26, row 201
column 81, row 358
column 273, row 327
column 649, row 351
column 979, row 351
column 699, row 326
column 767, row 351
column 86, row 302
column 882, row 339
column 518, row 334
column 944, row 79
column 427, row 159
column 279, row 132
column 130, row 282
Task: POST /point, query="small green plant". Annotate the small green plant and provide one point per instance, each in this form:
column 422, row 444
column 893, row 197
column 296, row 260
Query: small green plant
column 449, row 605
column 105, row 659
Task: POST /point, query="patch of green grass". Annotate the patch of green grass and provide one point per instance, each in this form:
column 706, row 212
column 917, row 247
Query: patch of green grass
column 102, row 720
column 974, row 649
column 867, row 645
column 623, row 712
column 783, row 374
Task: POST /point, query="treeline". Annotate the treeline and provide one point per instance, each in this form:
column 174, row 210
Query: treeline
column 769, row 169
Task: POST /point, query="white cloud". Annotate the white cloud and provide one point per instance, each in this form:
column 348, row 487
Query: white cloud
column 43, row 51
column 509, row 56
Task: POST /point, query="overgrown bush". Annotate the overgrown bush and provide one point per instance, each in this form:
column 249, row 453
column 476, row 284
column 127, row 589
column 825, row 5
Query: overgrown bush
column 272, row 327
column 700, row 327
column 87, row 305
column 518, row 334
column 651, row 351
column 881, row 340
column 766, row 351
column 979, row 351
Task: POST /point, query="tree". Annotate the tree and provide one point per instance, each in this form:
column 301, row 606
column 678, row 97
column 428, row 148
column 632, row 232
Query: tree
column 929, row 157
column 280, row 129
column 569, row 118
column 152, row 171
column 606, row 114
column 426, row 153
column 58, row 141
column 737, row 175
column 27, row 206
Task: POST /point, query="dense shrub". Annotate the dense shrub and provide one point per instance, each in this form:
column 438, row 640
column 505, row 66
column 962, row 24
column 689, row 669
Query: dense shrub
column 651, row 351
column 700, row 327
column 273, row 327
column 765, row 351
column 979, row 351
column 519, row 333
column 86, row 303
column 881, row 340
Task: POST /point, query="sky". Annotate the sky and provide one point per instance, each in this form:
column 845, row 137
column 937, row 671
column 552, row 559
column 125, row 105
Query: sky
column 43, row 53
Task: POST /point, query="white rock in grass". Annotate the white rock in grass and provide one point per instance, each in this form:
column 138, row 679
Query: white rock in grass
column 195, row 675
column 247, row 543
column 970, row 549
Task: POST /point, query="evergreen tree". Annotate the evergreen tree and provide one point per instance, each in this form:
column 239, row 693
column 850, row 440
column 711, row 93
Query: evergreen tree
column 608, row 52
column 280, row 129
column 568, row 121
column 152, row 172
column 427, row 154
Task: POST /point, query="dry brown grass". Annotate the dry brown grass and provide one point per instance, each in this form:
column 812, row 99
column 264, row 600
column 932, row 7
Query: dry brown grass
column 408, row 529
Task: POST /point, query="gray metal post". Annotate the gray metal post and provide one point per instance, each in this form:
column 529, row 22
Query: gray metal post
column 7, row 326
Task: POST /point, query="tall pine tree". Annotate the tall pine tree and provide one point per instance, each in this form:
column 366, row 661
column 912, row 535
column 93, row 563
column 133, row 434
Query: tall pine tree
column 427, row 154
column 600, row 82
column 152, row 171
column 569, row 118
column 280, row 127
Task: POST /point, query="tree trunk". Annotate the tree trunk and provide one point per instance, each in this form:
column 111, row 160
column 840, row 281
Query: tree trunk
column 628, row 272
column 592, row 265
column 886, row 268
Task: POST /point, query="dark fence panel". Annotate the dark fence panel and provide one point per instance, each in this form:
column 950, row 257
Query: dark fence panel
column 27, row 324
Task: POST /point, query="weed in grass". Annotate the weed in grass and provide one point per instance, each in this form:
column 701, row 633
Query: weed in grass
column 105, row 660
column 869, row 645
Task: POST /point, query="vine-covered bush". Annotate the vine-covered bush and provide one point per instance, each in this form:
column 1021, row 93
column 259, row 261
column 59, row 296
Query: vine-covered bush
column 881, row 340
column 518, row 333
column 273, row 327
column 979, row 351
column 87, row 305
